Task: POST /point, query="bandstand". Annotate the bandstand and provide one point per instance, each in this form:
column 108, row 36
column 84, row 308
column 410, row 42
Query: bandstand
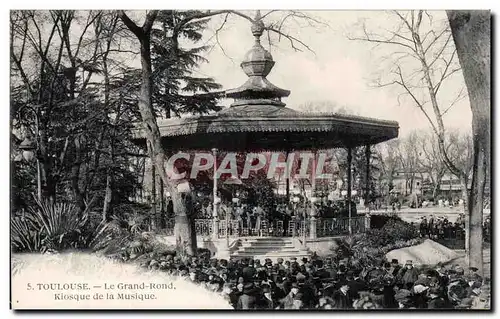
column 259, row 121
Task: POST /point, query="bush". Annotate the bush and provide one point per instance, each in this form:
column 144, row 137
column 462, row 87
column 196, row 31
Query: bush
column 369, row 248
column 378, row 221
column 393, row 231
column 50, row 226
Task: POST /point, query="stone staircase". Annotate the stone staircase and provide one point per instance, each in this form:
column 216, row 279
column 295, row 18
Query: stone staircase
column 270, row 247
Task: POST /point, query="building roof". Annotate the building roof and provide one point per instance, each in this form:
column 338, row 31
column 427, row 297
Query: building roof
column 259, row 121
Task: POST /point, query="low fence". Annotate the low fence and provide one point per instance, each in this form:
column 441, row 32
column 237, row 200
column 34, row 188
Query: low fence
column 322, row 227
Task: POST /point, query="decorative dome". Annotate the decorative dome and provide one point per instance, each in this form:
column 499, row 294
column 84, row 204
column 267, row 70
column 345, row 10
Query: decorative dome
column 257, row 64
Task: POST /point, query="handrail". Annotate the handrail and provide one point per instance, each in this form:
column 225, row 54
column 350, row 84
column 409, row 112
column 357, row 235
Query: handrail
column 325, row 227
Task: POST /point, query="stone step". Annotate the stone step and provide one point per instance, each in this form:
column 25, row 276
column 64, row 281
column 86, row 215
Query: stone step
column 260, row 243
column 265, row 251
column 295, row 253
column 270, row 238
column 253, row 249
column 247, row 244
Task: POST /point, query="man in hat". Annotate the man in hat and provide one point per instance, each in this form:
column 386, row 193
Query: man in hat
column 423, row 227
column 330, row 267
column 247, row 299
column 302, row 265
column 280, row 264
column 321, row 272
column 355, row 286
column 395, row 267
column 249, row 271
column 279, row 290
column 410, row 275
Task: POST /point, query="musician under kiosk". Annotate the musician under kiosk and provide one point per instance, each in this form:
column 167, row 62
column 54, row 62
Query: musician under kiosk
column 258, row 121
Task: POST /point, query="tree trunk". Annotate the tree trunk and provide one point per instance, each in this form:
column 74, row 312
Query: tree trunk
column 183, row 230
column 75, row 178
column 185, row 237
column 471, row 33
column 153, row 197
column 435, row 190
column 108, row 197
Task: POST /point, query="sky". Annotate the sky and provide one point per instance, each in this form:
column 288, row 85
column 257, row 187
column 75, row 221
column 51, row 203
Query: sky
column 339, row 71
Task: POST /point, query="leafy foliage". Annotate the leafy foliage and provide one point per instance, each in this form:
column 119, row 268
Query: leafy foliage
column 369, row 248
column 50, row 226
column 177, row 89
column 379, row 221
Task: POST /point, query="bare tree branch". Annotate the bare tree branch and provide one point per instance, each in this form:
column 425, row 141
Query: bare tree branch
column 460, row 96
column 368, row 38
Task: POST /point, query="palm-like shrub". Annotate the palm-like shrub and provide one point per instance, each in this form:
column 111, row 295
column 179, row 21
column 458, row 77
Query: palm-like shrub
column 50, row 226
column 25, row 234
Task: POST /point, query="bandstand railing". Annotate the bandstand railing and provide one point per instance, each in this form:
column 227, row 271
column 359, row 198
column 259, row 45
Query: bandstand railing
column 325, row 227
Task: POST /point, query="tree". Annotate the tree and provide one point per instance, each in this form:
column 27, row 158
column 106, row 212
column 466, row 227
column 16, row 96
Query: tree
column 422, row 61
column 471, row 34
column 389, row 164
column 324, row 107
column 79, row 121
column 430, row 161
column 408, row 160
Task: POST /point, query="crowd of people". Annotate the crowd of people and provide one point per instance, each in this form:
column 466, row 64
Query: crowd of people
column 441, row 228
column 323, row 283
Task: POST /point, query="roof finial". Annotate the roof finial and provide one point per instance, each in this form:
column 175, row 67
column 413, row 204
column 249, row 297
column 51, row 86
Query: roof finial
column 257, row 16
column 257, row 26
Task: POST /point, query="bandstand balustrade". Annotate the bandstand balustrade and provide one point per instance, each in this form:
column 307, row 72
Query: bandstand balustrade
column 325, row 227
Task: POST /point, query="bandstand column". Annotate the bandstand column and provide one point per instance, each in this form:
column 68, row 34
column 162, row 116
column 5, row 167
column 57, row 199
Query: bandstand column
column 215, row 219
column 349, row 185
column 287, row 179
column 312, row 220
column 368, row 154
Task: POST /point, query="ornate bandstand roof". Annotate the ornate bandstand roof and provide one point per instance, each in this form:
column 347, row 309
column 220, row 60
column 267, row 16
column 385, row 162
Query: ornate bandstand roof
column 258, row 120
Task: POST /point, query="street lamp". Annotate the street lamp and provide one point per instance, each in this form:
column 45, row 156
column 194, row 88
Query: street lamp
column 29, row 148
